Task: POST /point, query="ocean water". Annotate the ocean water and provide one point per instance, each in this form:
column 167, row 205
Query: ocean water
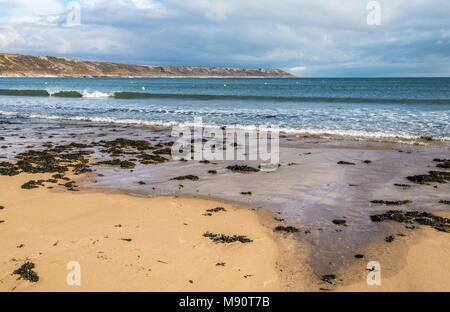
column 378, row 108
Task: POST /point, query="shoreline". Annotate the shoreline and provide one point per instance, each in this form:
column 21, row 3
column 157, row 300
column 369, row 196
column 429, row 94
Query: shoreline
column 289, row 135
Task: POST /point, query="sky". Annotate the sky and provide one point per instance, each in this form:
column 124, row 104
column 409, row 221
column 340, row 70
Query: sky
column 351, row 38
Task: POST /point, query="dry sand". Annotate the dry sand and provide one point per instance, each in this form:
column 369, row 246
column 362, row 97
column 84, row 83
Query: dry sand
column 167, row 251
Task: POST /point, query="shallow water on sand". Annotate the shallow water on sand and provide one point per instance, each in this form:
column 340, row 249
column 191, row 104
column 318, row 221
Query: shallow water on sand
column 308, row 190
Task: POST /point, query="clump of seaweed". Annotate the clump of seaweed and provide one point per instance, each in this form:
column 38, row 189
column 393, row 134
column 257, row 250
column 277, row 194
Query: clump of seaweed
column 246, row 193
column 389, row 239
column 225, row 239
column 443, row 163
column 242, row 169
column 124, row 164
column 212, row 171
column 147, row 159
column 343, row 162
column 423, row 218
column 391, row 202
column 187, row 177
column 402, row 185
column 209, row 212
column 32, row 184
column 328, row 278
column 447, row 202
column 217, row 209
column 432, row 176
column 26, row 272
column 287, row 229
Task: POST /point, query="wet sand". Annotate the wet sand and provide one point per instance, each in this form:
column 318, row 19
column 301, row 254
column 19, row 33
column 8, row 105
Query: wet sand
column 309, row 190
column 416, row 262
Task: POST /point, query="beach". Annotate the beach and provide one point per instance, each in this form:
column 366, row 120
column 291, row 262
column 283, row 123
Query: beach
column 98, row 186
column 126, row 243
column 132, row 227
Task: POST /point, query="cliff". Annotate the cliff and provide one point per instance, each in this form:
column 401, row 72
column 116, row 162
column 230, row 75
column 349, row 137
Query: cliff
column 25, row 65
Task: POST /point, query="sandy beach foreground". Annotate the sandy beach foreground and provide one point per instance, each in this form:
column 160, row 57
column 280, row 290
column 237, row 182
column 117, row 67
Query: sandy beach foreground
column 102, row 197
column 126, row 243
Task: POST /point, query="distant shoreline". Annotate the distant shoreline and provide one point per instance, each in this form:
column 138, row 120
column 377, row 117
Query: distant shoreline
column 137, row 77
column 17, row 65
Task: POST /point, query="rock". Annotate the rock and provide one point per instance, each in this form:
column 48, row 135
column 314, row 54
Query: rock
column 340, row 222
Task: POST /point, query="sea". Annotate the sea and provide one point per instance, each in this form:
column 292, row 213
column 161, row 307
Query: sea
column 362, row 108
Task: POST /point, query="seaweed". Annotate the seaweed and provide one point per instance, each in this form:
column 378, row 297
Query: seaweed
column 329, row 278
column 225, row 239
column 242, row 169
column 26, row 272
column 217, row 209
column 186, row 177
column 31, row 184
column 246, row 193
column 445, row 164
column 402, row 185
column 432, row 176
column 389, row 239
column 343, row 162
column 423, row 218
column 287, row 229
column 391, row 202
column 146, row 159
column 124, row 164
column 212, row 171
column 447, row 202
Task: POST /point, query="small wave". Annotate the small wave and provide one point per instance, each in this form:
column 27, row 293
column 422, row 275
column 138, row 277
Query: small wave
column 97, row 94
column 13, row 92
column 371, row 135
column 69, row 94
column 143, row 95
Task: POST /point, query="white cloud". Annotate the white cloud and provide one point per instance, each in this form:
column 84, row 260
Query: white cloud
column 321, row 35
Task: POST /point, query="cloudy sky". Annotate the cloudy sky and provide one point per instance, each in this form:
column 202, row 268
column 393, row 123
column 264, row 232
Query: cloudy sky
column 308, row 38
